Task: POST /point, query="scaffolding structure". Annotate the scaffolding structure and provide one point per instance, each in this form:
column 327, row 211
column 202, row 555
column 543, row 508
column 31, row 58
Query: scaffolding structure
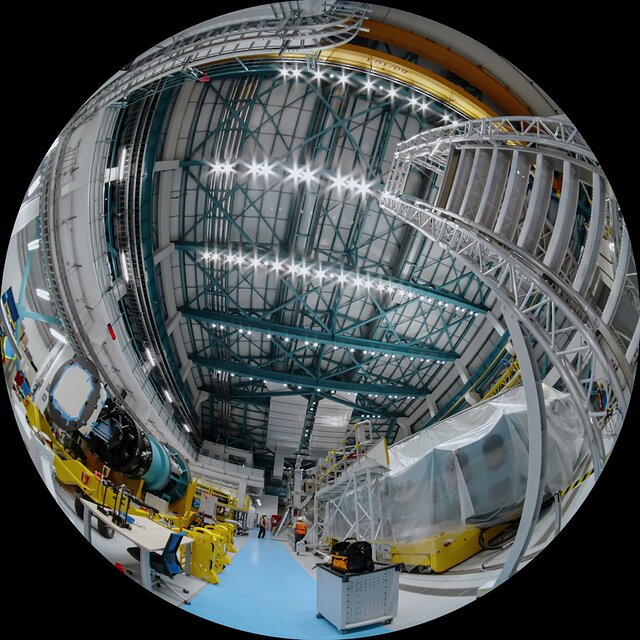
column 348, row 501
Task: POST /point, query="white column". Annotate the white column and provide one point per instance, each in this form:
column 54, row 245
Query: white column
column 537, row 431
column 618, row 283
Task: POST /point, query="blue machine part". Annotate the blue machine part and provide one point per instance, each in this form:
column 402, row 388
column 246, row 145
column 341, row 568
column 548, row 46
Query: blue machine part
column 103, row 430
column 81, row 404
column 178, row 484
column 160, row 470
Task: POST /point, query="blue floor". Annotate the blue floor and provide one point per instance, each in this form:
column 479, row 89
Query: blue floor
column 264, row 590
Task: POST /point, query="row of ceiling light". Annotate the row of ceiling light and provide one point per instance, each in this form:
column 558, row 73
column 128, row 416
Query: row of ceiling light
column 368, row 84
column 354, row 184
column 317, row 272
column 287, row 340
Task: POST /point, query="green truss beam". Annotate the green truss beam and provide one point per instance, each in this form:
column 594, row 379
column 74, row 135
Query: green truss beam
column 313, row 336
column 308, row 384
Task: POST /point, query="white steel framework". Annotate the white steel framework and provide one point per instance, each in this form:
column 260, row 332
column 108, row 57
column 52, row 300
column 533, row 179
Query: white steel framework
column 348, row 501
column 568, row 329
column 431, row 148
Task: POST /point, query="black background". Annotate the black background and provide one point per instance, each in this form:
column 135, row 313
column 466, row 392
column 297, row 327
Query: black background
column 56, row 57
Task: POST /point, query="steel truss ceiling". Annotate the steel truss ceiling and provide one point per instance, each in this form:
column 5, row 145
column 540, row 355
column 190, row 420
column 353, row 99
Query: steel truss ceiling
column 284, row 267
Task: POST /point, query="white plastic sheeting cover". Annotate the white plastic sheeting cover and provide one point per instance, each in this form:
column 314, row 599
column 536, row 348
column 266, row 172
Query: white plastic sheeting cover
column 471, row 469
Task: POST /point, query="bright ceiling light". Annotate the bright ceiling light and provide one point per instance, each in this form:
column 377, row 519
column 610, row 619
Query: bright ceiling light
column 392, row 92
column 227, row 167
column 296, row 73
column 33, row 245
column 318, row 75
column 125, row 270
column 186, row 428
column 369, row 84
column 45, row 295
column 295, row 173
column 57, row 335
column 122, row 163
column 338, row 182
column 307, row 175
column 260, row 169
column 254, row 169
column 150, row 358
column 168, row 395
column 362, row 187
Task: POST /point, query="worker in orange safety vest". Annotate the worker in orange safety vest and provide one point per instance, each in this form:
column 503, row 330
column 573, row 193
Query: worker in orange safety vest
column 300, row 530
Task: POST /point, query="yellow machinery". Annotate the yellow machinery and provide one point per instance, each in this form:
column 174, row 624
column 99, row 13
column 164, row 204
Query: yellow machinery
column 442, row 552
column 204, row 563
column 209, row 550
column 211, row 543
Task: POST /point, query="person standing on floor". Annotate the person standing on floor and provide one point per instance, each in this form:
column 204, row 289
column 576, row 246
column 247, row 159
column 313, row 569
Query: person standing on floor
column 263, row 526
column 300, row 531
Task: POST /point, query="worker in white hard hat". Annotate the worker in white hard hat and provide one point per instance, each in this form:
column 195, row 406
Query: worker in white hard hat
column 300, row 530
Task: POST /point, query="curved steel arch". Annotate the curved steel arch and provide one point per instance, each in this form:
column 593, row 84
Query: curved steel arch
column 557, row 311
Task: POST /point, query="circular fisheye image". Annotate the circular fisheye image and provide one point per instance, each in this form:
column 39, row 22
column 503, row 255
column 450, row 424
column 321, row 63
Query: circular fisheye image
column 318, row 318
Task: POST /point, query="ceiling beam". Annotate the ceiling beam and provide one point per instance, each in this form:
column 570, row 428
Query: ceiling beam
column 311, row 335
column 264, row 397
column 415, row 288
column 308, row 383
